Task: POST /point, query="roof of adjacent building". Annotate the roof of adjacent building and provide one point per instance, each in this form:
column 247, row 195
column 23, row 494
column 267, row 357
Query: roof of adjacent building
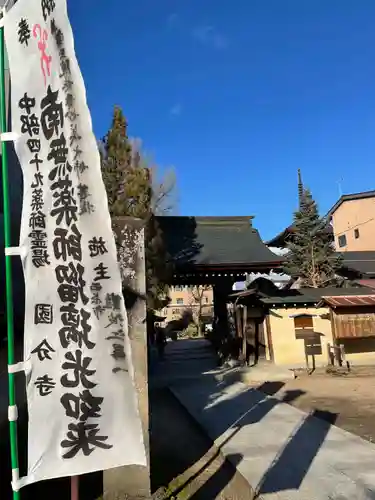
column 350, row 300
column 216, row 241
column 369, row 283
column 362, row 263
column 357, row 264
column 350, row 197
column 272, row 296
column 312, row 295
column 280, row 240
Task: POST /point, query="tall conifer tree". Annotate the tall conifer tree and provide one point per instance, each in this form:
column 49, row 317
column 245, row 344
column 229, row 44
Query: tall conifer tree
column 128, row 182
column 312, row 257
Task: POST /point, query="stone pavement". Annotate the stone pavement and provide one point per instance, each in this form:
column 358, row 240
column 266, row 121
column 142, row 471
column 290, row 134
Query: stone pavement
column 184, row 360
column 286, row 453
column 184, row 460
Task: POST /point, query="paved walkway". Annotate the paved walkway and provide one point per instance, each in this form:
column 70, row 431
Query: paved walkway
column 285, row 454
column 184, row 360
column 182, row 455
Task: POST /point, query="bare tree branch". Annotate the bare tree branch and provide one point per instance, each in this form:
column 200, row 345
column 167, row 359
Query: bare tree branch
column 164, row 197
column 197, row 294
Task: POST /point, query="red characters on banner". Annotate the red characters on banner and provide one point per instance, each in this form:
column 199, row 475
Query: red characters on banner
column 45, row 60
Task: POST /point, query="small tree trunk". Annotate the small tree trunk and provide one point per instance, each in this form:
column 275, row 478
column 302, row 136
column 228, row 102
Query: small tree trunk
column 199, row 327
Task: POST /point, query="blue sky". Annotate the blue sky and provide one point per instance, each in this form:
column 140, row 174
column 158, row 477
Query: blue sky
column 239, row 94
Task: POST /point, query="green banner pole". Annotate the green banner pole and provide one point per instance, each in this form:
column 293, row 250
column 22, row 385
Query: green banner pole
column 8, row 271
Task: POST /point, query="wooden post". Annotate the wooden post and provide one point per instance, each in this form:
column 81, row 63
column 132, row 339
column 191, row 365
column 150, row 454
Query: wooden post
column 237, row 309
column 338, row 354
column 307, row 360
column 74, row 488
column 329, row 354
column 343, row 357
column 269, row 337
column 244, row 325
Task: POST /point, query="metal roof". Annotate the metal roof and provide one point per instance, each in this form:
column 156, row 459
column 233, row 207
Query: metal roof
column 350, row 300
column 369, row 283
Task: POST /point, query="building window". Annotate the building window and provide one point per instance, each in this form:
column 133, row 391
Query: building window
column 178, row 288
column 179, row 301
column 342, row 241
column 206, row 300
column 356, row 234
column 303, row 322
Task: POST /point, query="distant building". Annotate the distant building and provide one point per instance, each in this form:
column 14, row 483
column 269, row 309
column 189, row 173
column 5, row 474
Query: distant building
column 185, row 297
column 353, row 222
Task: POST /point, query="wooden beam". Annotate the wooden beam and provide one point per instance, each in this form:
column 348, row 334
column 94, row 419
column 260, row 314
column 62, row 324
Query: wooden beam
column 269, row 338
column 333, row 325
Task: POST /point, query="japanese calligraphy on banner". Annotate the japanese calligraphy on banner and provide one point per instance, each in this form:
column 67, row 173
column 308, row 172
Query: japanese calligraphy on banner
column 83, row 413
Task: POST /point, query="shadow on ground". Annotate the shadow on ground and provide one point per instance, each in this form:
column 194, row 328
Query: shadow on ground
column 226, row 415
column 216, row 484
column 292, row 462
column 183, row 459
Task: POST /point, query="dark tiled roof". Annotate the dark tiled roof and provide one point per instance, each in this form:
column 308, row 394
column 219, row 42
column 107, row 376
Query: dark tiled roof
column 350, row 197
column 356, row 265
column 215, row 241
column 280, row 240
column 313, row 295
column 243, row 293
column 362, row 263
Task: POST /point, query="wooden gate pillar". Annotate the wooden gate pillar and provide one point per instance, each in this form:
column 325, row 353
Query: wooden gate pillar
column 221, row 290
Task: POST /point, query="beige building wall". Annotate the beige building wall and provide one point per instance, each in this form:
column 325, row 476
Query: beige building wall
column 182, row 298
column 354, row 225
column 290, row 351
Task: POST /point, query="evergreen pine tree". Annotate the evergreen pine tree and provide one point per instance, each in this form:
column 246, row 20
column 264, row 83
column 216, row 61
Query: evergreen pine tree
column 128, row 182
column 312, row 256
column 115, row 162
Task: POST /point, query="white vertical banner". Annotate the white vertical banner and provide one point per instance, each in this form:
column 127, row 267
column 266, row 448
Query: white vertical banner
column 82, row 404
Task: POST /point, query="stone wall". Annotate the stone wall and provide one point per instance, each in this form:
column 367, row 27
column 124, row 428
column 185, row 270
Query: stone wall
column 133, row 482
